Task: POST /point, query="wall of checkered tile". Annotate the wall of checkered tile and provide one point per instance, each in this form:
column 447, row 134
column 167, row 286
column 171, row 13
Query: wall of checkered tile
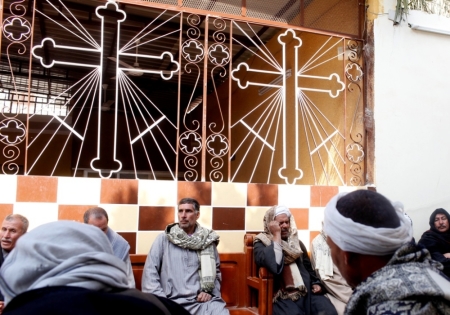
column 140, row 209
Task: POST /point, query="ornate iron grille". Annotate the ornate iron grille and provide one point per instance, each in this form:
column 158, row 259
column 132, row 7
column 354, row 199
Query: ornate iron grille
column 166, row 94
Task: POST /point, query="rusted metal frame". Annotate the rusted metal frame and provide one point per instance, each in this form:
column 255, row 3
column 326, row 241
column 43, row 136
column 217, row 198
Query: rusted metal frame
column 30, row 68
column 179, row 98
column 362, row 18
column 346, row 167
column 1, row 19
column 230, row 90
column 369, row 104
column 205, row 96
column 238, row 18
column 244, row 8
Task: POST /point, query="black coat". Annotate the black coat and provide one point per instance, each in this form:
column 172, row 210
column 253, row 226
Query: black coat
column 437, row 243
column 67, row 300
column 309, row 304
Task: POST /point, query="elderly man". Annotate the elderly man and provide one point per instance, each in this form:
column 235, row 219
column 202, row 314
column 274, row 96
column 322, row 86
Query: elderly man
column 183, row 264
column 437, row 238
column 99, row 217
column 371, row 244
column 297, row 290
column 13, row 227
column 66, row 268
column 338, row 290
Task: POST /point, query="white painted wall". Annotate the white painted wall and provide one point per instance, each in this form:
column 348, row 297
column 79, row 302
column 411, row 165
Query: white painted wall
column 412, row 118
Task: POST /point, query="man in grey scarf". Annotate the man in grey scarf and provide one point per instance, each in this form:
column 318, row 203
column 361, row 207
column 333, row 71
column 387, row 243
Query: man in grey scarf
column 99, row 217
column 183, row 264
column 68, row 268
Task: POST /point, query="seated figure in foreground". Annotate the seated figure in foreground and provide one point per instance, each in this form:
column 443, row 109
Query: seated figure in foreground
column 68, row 268
column 437, row 238
column 183, row 264
column 338, row 291
column 371, row 244
column 296, row 290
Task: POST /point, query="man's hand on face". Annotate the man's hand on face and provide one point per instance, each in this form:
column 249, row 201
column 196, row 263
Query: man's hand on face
column 447, row 255
column 203, row 297
column 274, row 227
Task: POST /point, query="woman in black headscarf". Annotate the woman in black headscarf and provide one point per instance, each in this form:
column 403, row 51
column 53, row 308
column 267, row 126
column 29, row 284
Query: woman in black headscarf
column 437, row 238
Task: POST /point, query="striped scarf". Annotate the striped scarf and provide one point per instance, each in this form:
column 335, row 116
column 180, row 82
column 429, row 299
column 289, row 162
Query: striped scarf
column 201, row 242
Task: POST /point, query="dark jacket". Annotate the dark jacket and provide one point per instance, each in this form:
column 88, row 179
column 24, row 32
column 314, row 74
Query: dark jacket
column 438, row 243
column 67, row 300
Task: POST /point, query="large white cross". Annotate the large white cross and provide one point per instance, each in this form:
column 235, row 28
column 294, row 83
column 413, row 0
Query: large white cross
column 111, row 11
column 290, row 171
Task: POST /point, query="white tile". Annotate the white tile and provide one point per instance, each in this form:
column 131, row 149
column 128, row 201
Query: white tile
column 294, row 196
column 254, row 217
column 81, row 191
column 205, row 218
column 231, row 241
column 144, row 241
column 229, row 194
column 122, row 218
column 8, row 187
column 157, row 193
column 37, row 213
column 316, row 215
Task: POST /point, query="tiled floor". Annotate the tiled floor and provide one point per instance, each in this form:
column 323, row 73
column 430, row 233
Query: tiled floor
column 140, row 209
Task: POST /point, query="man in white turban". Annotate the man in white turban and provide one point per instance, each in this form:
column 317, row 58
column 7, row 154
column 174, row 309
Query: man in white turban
column 371, row 243
column 296, row 289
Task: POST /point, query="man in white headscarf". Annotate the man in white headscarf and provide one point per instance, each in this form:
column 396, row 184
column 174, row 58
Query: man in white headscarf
column 338, row 291
column 296, row 290
column 371, row 243
column 68, row 268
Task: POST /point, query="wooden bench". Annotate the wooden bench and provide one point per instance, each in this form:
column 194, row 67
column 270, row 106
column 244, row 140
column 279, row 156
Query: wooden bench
column 245, row 288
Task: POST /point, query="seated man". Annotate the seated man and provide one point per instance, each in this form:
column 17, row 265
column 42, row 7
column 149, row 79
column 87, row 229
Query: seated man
column 437, row 238
column 338, row 290
column 183, row 264
column 13, row 227
column 371, row 244
column 296, row 287
column 99, row 217
column 68, row 268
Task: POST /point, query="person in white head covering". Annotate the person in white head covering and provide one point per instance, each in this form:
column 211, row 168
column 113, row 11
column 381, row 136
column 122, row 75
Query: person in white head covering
column 296, row 289
column 371, row 243
column 67, row 267
column 338, row 291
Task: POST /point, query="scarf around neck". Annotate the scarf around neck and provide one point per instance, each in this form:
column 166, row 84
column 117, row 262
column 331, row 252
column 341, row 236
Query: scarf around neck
column 292, row 286
column 202, row 242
